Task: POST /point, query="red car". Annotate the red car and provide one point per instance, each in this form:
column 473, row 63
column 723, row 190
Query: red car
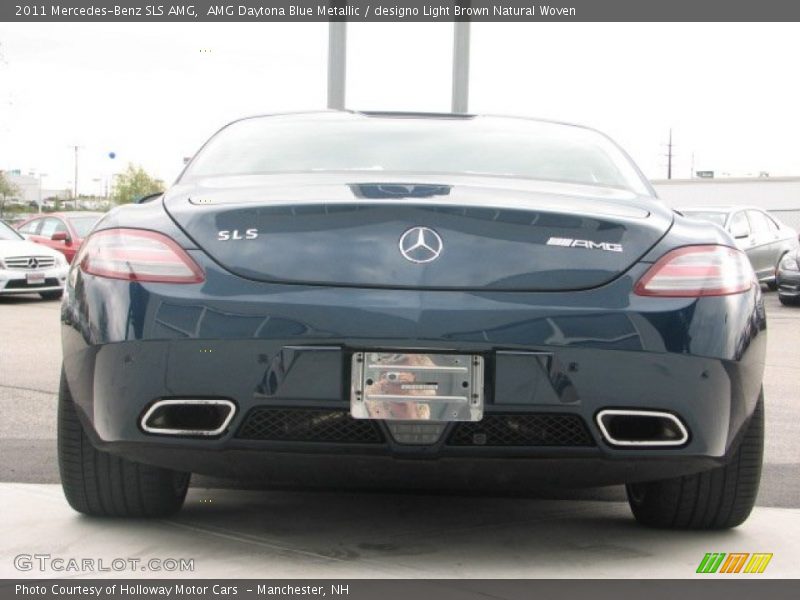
column 60, row 231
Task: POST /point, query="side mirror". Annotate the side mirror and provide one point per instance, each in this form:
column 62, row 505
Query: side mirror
column 60, row 236
column 740, row 231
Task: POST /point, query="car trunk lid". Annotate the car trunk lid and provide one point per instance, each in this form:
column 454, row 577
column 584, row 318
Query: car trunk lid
column 488, row 233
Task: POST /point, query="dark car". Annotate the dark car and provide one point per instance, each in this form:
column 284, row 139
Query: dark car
column 761, row 236
column 788, row 278
column 457, row 300
column 64, row 232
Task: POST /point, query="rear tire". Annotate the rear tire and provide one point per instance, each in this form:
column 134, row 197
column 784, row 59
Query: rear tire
column 51, row 295
column 789, row 301
column 98, row 483
column 717, row 499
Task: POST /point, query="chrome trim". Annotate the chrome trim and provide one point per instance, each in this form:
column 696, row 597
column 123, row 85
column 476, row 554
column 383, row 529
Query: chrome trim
column 641, row 413
column 183, row 402
column 29, row 263
column 422, row 241
column 56, row 288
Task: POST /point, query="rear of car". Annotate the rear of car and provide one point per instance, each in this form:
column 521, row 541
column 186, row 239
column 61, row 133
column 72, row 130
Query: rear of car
column 422, row 300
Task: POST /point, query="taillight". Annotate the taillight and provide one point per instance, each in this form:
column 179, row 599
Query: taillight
column 138, row 255
column 694, row 271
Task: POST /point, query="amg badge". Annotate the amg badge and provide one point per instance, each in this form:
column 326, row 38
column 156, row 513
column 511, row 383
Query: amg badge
column 588, row 244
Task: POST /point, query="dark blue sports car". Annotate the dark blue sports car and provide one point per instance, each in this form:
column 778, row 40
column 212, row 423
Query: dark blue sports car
column 447, row 299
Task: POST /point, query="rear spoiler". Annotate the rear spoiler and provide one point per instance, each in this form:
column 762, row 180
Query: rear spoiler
column 149, row 197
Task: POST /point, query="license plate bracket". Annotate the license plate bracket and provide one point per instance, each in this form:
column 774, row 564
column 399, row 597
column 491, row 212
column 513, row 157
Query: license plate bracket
column 417, row 386
column 34, row 278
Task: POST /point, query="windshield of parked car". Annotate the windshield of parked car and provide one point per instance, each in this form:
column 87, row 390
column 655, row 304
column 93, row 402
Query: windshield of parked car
column 8, row 234
column 482, row 145
column 83, row 225
column 718, row 218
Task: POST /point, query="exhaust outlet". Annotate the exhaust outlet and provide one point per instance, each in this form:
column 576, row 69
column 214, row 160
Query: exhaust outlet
column 621, row 427
column 205, row 418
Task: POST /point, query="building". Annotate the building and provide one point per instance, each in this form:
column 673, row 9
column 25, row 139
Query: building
column 30, row 192
column 777, row 195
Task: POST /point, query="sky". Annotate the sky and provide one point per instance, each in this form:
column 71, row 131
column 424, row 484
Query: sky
column 153, row 93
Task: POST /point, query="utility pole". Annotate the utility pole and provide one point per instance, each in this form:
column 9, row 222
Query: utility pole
column 460, row 97
column 41, row 176
column 75, row 183
column 669, row 155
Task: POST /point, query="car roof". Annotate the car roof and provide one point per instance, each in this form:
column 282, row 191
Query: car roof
column 719, row 208
column 322, row 115
column 66, row 215
column 76, row 213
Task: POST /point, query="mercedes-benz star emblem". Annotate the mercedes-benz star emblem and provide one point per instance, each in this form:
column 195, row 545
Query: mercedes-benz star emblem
column 420, row 245
column 33, row 263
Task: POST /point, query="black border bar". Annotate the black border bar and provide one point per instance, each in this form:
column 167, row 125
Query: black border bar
column 711, row 587
column 399, row 10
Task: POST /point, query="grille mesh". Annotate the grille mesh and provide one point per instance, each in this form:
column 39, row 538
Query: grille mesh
column 308, row 425
column 541, row 429
column 22, row 284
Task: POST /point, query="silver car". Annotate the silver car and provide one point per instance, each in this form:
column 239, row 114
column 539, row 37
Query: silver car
column 28, row 268
column 761, row 236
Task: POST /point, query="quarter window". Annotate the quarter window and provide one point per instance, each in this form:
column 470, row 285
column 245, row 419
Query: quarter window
column 759, row 222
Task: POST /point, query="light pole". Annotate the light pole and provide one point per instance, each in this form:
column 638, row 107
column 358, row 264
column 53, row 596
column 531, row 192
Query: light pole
column 75, row 182
column 110, row 174
column 41, row 176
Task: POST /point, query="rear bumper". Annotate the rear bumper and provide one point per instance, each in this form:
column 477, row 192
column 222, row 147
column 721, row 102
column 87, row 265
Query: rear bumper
column 788, row 283
column 555, row 355
column 14, row 281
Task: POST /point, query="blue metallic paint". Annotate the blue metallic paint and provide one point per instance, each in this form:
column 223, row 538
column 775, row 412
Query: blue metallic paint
column 257, row 343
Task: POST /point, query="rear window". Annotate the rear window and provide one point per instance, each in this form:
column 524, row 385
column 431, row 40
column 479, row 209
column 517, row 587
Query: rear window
column 483, row 145
column 83, row 225
column 717, row 218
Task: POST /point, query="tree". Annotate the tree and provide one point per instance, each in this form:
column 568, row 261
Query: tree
column 134, row 184
column 6, row 189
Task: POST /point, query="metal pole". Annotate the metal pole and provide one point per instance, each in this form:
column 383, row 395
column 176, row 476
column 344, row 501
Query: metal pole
column 75, row 185
column 669, row 155
column 460, row 99
column 337, row 64
column 40, row 192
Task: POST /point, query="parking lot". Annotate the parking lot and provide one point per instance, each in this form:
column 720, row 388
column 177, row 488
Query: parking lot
column 348, row 533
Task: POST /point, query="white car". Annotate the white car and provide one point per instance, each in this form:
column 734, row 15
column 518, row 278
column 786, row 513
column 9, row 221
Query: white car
column 28, row 268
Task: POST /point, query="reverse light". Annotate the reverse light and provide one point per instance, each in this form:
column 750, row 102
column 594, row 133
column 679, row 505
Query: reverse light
column 694, row 271
column 138, row 255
